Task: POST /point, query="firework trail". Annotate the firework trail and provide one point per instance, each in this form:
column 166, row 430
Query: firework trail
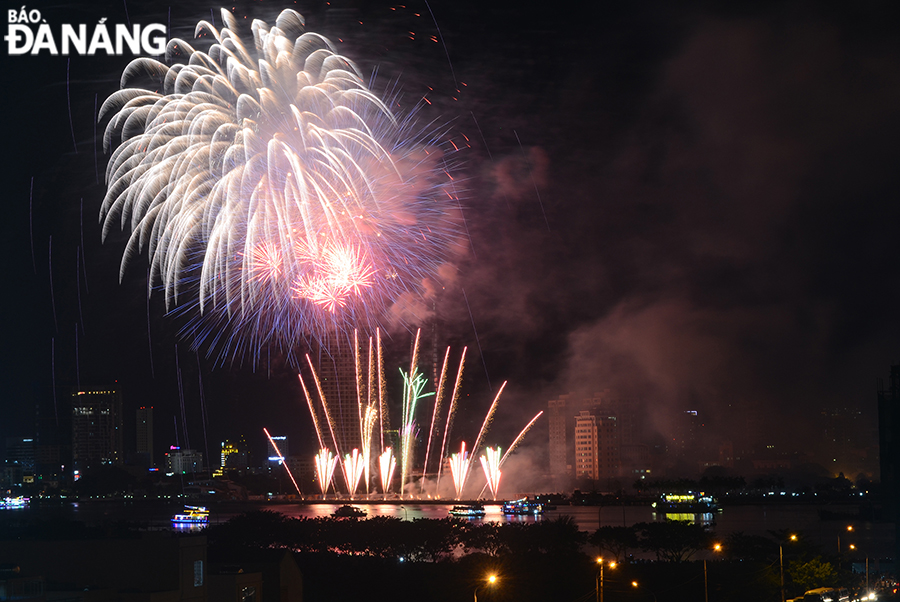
column 328, row 418
column 459, row 468
column 412, row 393
column 283, row 463
column 325, row 465
column 437, row 408
column 490, row 463
column 514, row 445
column 312, row 412
column 368, row 413
column 484, row 428
column 386, row 464
column 353, row 470
column 451, row 412
column 272, row 190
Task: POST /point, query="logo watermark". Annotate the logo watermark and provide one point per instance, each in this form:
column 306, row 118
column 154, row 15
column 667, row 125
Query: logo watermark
column 29, row 33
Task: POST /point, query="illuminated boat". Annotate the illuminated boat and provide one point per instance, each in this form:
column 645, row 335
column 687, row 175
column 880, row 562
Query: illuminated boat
column 523, row 506
column 192, row 515
column 686, row 503
column 14, row 502
column 468, row 511
column 349, row 512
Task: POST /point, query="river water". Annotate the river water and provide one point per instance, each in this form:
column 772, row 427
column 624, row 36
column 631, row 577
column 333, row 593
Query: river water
column 874, row 539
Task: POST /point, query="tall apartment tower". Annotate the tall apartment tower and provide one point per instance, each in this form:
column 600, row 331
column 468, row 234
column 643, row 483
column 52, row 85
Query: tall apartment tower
column 144, row 435
column 96, row 428
column 587, row 444
column 336, row 368
column 589, row 437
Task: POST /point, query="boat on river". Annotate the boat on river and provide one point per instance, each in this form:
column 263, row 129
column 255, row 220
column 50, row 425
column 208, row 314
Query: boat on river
column 692, row 502
column 192, row 515
column 523, row 506
column 14, row 502
column 347, row 511
column 468, row 511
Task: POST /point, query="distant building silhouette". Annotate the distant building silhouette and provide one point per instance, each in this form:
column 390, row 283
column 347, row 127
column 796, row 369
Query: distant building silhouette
column 96, row 428
column 594, row 439
column 183, row 461
column 19, row 464
column 233, row 456
column 144, row 435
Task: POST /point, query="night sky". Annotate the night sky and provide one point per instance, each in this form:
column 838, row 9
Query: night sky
column 692, row 205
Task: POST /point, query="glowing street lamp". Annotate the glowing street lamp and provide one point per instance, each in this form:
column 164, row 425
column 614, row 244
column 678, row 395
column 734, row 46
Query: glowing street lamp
column 599, row 580
column 781, row 563
column 716, row 548
column 636, row 585
column 491, row 580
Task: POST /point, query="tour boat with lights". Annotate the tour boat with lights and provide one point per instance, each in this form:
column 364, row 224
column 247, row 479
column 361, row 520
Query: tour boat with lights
column 468, row 511
column 523, row 506
column 14, row 502
column 192, row 515
column 690, row 502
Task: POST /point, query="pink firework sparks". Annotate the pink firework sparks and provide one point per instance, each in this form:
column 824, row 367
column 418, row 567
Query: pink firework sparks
column 336, row 273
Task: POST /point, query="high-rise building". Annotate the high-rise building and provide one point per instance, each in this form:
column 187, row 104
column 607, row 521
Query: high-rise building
column 96, row 428
column 275, row 457
column 19, row 464
column 144, row 435
column 183, row 461
column 233, row 456
column 336, row 369
column 587, row 435
column 557, row 417
column 586, row 446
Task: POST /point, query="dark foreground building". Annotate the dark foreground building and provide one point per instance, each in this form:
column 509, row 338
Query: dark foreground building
column 154, row 567
column 889, row 452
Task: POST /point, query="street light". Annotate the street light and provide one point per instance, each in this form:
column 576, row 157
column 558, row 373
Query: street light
column 781, row 563
column 599, row 580
column 491, row 580
column 853, row 549
column 635, row 585
column 716, row 548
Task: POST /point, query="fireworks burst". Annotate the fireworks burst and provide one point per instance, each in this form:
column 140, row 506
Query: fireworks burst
column 325, row 465
column 490, row 463
column 459, row 468
column 386, row 464
column 271, row 189
column 353, row 470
